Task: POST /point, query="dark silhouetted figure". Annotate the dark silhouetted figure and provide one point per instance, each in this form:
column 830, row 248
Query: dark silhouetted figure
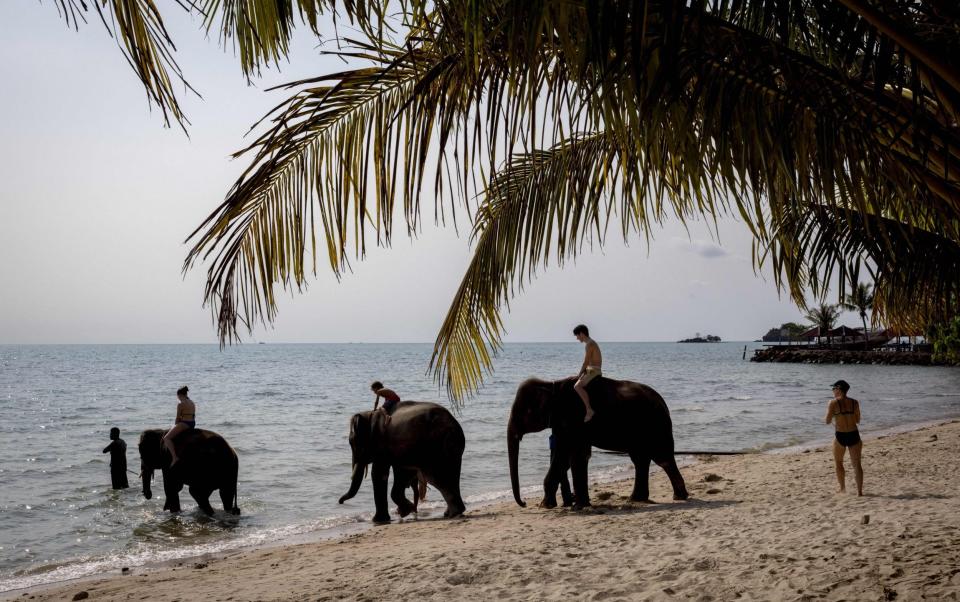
column 565, row 493
column 118, row 459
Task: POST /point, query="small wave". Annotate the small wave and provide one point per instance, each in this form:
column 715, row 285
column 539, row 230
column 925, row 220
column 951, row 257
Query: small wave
column 150, row 554
column 789, row 442
column 689, row 409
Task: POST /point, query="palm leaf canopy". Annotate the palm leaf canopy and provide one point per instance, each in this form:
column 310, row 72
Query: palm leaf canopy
column 829, row 128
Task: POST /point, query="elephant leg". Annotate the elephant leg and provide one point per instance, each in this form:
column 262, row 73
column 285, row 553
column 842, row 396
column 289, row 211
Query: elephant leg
column 228, row 495
column 566, row 494
column 669, row 465
column 641, row 482
column 556, row 476
column 402, row 478
column 380, row 474
column 579, row 458
column 202, row 496
column 171, row 491
column 447, row 482
column 416, row 494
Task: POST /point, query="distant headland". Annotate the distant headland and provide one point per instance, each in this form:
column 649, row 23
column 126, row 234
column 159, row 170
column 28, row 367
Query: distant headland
column 699, row 339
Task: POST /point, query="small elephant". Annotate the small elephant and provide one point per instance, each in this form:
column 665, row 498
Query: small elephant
column 630, row 417
column 206, row 462
column 416, row 436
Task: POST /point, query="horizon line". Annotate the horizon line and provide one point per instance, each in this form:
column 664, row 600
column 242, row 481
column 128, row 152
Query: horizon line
column 244, row 343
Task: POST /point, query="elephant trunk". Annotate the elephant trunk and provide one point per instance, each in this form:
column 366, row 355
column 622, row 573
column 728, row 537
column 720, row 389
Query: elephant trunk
column 513, row 451
column 356, row 480
column 147, row 475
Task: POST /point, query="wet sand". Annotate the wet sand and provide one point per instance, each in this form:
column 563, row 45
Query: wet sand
column 758, row 527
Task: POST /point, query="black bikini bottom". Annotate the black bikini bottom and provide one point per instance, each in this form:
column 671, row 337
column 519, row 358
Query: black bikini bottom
column 848, row 439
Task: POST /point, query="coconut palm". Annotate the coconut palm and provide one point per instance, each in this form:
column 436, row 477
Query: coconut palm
column 828, row 127
column 860, row 300
column 824, row 317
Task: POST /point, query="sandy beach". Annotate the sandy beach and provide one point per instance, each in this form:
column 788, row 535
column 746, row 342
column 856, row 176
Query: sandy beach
column 758, row 527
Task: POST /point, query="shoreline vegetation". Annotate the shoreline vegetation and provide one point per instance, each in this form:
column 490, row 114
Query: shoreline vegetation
column 760, row 526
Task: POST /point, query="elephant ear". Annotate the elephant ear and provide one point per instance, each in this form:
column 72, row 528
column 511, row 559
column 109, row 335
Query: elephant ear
column 361, row 431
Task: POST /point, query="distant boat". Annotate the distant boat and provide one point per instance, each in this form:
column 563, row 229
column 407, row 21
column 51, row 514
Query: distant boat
column 261, row 343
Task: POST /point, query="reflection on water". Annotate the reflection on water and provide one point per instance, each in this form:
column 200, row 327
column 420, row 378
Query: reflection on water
column 285, row 409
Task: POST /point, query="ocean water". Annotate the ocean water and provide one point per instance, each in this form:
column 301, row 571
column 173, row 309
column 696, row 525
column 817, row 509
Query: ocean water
column 286, row 409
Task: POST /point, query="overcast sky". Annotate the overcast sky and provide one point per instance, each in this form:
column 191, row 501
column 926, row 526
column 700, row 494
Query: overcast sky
column 98, row 196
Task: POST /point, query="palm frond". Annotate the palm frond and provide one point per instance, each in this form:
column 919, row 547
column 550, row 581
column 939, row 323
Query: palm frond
column 317, row 156
column 548, row 204
column 139, row 30
column 916, row 270
column 261, row 29
column 767, row 108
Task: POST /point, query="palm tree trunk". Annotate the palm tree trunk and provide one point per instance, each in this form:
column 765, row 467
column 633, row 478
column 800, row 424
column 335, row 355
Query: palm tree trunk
column 866, row 335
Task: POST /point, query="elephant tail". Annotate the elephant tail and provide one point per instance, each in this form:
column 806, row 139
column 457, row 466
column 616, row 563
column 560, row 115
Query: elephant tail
column 235, row 508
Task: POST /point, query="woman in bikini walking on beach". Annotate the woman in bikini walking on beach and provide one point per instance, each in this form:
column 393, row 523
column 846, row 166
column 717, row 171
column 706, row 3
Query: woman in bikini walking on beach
column 845, row 412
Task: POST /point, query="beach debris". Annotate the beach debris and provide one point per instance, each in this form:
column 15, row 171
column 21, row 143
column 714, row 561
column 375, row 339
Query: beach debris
column 125, row 569
column 931, row 438
column 865, row 520
column 712, row 478
column 712, row 491
column 889, row 593
column 200, row 565
column 604, row 495
column 668, row 591
column 81, row 595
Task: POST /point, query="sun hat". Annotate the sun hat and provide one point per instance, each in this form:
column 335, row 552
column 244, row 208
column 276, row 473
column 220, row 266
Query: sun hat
column 842, row 385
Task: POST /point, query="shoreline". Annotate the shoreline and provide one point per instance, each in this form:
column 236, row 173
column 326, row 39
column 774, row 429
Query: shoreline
column 495, row 510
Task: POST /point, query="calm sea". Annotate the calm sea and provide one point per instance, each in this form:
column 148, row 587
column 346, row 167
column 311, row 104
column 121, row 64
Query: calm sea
column 286, row 408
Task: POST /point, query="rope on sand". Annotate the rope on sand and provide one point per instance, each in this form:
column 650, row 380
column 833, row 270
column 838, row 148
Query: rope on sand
column 689, row 453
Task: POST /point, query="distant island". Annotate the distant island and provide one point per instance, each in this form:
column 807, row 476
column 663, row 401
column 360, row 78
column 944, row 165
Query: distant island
column 699, row 339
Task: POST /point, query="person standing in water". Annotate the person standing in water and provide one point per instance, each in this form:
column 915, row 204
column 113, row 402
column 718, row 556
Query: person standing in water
column 118, row 459
column 590, row 370
column 845, row 412
column 186, row 419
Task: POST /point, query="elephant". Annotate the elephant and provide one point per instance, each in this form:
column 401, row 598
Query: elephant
column 206, row 462
column 416, row 436
column 630, row 417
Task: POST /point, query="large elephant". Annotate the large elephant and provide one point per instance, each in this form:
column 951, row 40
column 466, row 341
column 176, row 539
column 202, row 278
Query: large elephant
column 416, row 436
column 206, row 462
column 630, row 417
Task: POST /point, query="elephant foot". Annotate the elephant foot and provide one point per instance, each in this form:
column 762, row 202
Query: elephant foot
column 406, row 509
column 567, row 503
column 548, row 503
column 681, row 496
column 381, row 519
column 581, row 505
column 453, row 512
column 235, row 511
